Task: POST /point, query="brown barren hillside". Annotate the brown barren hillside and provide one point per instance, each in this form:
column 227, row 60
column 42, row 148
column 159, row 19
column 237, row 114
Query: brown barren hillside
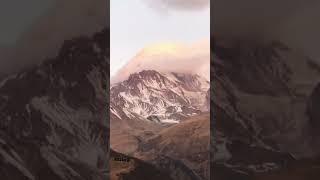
column 187, row 141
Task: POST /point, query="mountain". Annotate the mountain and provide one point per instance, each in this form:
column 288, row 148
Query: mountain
column 152, row 112
column 164, row 98
column 53, row 119
column 263, row 99
column 148, row 101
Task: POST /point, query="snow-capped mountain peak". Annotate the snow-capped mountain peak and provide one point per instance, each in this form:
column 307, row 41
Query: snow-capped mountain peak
column 157, row 96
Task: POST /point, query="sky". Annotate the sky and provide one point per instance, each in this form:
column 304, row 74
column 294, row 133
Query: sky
column 34, row 30
column 294, row 22
column 16, row 23
column 136, row 24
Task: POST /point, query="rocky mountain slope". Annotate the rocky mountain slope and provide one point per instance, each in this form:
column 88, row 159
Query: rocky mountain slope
column 149, row 101
column 188, row 142
column 158, row 97
column 263, row 98
column 53, row 118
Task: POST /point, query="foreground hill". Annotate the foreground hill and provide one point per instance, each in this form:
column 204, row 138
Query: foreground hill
column 123, row 167
column 182, row 150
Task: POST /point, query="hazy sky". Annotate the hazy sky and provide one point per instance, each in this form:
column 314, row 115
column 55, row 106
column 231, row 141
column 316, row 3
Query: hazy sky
column 293, row 22
column 33, row 30
column 13, row 23
column 136, row 24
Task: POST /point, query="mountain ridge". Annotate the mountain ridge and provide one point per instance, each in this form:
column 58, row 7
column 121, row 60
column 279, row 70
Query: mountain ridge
column 260, row 94
column 167, row 92
column 53, row 119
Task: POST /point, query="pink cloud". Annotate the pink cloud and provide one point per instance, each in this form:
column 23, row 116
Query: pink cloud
column 170, row 57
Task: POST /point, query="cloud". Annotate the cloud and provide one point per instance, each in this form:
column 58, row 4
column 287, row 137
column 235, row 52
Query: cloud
column 168, row 5
column 170, row 57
